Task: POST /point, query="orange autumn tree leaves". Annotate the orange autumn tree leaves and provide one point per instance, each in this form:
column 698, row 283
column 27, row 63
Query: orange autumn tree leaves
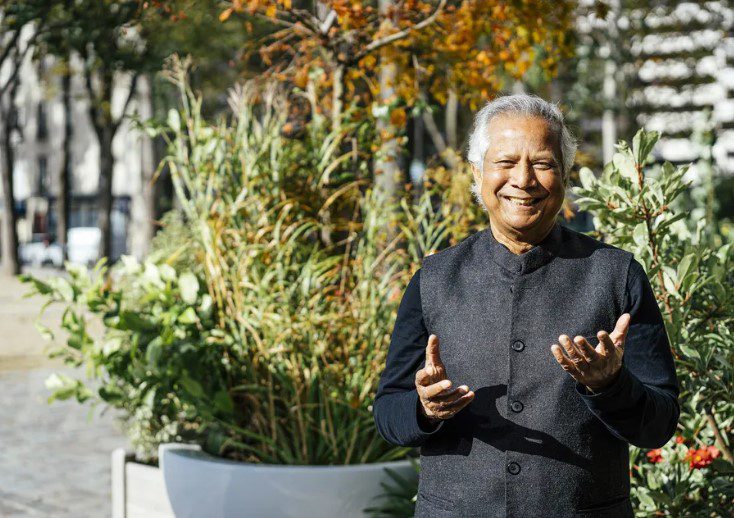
column 469, row 47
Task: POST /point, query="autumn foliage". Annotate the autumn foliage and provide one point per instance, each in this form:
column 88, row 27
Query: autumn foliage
column 469, row 46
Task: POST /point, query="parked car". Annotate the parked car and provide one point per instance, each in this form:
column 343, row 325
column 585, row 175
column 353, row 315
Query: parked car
column 83, row 245
column 40, row 251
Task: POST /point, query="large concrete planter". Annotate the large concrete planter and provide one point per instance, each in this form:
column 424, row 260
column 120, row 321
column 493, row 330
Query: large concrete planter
column 199, row 484
column 138, row 490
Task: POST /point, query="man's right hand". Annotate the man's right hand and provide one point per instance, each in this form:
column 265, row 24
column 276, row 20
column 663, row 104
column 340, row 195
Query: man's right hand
column 438, row 400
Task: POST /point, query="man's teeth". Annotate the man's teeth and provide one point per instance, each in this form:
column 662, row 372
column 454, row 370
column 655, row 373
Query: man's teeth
column 526, row 202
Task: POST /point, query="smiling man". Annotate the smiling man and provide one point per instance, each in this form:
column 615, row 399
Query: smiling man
column 525, row 359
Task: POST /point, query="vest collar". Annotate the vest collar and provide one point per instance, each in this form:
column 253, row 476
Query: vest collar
column 518, row 264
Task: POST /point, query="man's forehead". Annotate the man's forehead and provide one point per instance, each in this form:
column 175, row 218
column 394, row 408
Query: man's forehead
column 531, row 132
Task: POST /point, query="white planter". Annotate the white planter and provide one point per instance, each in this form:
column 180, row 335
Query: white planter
column 138, row 490
column 199, row 484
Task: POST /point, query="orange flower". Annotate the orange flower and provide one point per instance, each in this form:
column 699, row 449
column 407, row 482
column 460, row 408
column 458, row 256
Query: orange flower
column 655, row 455
column 702, row 457
column 679, row 439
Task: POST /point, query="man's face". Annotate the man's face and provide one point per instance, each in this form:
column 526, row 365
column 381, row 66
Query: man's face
column 522, row 186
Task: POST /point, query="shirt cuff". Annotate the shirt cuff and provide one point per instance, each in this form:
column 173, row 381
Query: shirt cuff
column 416, row 430
column 425, row 426
column 619, row 394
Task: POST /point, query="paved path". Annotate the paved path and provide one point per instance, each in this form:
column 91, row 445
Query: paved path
column 54, row 461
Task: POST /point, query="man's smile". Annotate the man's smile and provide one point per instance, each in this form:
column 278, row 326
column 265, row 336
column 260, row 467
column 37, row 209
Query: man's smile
column 526, row 201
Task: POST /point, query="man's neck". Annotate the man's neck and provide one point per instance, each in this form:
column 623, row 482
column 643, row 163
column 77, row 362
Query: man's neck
column 519, row 243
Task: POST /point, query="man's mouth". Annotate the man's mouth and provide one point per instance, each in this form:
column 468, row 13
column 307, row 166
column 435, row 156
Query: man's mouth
column 523, row 202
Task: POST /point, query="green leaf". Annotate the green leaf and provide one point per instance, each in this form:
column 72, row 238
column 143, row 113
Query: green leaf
column 587, row 178
column 188, row 316
column 639, row 234
column 189, row 286
column 64, row 289
column 684, row 266
column 134, row 321
column 154, row 352
column 625, row 164
column 642, row 144
column 223, row 402
column 192, row 386
column 724, row 252
column 45, row 332
column 174, row 119
column 689, row 351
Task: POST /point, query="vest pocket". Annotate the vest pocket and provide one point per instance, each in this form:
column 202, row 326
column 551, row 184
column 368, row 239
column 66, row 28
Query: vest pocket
column 430, row 504
column 616, row 507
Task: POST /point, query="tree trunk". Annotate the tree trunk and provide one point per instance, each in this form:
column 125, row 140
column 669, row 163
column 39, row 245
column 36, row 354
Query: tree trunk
column 388, row 176
column 64, row 195
column 106, row 164
column 143, row 203
column 337, row 96
column 8, row 121
column 452, row 116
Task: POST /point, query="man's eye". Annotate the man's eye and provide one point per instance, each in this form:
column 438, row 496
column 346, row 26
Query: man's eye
column 545, row 165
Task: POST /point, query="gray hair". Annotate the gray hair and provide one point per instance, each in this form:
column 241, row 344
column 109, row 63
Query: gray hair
column 519, row 104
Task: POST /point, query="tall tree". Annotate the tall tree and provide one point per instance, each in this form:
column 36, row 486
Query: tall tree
column 21, row 23
column 105, row 35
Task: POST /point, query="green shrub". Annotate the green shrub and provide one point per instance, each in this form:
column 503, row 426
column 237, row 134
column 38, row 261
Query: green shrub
column 638, row 208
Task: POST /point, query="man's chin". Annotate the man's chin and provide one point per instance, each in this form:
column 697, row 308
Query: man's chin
column 523, row 223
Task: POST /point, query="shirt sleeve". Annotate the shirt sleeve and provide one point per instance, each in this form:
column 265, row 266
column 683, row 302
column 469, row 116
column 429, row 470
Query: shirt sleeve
column 396, row 407
column 641, row 406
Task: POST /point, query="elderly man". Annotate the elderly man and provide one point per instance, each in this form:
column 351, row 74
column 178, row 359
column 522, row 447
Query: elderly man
column 526, row 358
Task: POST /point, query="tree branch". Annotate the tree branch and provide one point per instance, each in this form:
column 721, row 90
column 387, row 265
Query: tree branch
column 719, row 439
column 401, row 34
column 133, row 87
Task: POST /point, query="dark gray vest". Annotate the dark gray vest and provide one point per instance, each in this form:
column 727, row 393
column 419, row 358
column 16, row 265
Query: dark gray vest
column 527, row 446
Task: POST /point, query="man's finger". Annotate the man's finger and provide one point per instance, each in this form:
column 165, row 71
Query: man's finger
column 619, row 334
column 586, row 349
column 457, row 404
column 567, row 364
column 436, row 388
column 432, row 355
column 573, row 353
column 606, row 342
column 422, row 377
column 450, row 395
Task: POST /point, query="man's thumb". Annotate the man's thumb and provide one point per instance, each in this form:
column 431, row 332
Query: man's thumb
column 432, row 355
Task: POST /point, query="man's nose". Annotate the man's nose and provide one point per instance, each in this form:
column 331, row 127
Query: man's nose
column 523, row 175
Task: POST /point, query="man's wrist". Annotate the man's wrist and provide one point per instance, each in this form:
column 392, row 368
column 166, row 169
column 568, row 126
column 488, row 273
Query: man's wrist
column 602, row 388
column 425, row 420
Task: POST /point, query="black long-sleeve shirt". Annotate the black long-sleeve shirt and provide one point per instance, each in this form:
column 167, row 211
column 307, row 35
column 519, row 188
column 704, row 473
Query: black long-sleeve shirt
column 644, row 414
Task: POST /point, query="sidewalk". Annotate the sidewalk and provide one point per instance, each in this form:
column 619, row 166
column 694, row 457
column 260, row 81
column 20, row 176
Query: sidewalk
column 54, row 461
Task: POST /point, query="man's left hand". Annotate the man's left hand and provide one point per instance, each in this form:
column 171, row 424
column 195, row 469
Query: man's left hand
column 596, row 368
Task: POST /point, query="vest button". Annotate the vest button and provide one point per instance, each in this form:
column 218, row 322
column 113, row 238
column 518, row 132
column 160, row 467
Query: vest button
column 516, row 406
column 518, row 345
column 513, row 468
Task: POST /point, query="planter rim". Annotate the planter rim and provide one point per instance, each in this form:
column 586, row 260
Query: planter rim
column 194, row 451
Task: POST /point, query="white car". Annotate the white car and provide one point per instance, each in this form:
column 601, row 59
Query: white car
column 83, row 245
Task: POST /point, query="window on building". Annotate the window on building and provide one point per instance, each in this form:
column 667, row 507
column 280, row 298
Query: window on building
column 42, row 189
column 42, row 133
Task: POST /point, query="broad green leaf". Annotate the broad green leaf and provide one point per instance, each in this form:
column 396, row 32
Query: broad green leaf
column 587, row 178
column 174, row 119
column 625, row 165
column 189, row 286
column 192, row 386
column 639, row 234
column 188, row 316
column 642, row 144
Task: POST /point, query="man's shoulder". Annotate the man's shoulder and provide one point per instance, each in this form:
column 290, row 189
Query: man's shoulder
column 453, row 252
column 576, row 242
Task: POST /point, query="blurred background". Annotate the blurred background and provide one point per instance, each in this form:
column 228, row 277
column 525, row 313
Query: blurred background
column 83, row 178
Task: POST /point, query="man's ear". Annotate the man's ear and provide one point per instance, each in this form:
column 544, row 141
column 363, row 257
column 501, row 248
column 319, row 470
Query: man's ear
column 477, row 174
